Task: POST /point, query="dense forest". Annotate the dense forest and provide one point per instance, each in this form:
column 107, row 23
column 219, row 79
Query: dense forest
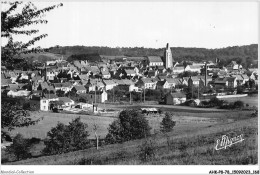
column 91, row 57
column 245, row 55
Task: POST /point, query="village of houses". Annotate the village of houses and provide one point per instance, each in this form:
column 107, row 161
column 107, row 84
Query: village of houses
column 94, row 79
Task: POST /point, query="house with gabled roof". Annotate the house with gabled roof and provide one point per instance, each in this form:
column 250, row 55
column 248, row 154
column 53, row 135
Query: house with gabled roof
column 171, row 83
column 161, row 69
column 193, row 80
column 152, row 73
column 239, row 78
column 162, row 77
column 178, row 70
column 66, row 87
column 95, row 70
column 45, row 86
column 161, row 84
column 46, row 100
column 84, row 77
column 232, row 82
column 85, row 70
column 96, row 96
column 225, row 82
column 109, row 84
column 193, row 68
column 245, row 78
column 183, row 80
column 130, row 73
column 154, row 61
column 79, row 89
column 106, row 74
column 175, row 98
column 67, row 102
column 126, row 84
column 234, row 66
column 147, row 83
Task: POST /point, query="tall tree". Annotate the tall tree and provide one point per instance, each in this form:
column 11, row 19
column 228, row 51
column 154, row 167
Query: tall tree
column 15, row 17
column 13, row 115
column 131, row 125
column 167, row 123
column 20, row 147
column 66, row 138
column 15, row 22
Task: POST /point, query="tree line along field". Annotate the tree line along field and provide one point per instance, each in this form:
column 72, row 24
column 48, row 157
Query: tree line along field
column 189, row 148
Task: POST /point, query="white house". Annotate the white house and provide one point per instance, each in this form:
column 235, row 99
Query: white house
column 233, row 66
column 175, row 98
column 45, row 101
column 109, row 84
column 67, row 102
column 50, row 75
column 98, row 96
column 20, row 93
column 147, row 83
column 178, row 70
column 193, row 68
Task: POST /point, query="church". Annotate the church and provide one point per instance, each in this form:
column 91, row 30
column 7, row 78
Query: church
column 166, row 60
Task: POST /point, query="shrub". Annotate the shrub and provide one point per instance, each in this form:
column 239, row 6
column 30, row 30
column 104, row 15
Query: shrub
column 167, row 123
column 66, row 138
column 20, row 147
column 216, row 102
column 147, row 150
column 131, row 125
column 255, row 114
column 238, row 104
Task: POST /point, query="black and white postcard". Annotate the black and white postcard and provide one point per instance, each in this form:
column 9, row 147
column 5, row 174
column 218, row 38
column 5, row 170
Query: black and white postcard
column 157, row 87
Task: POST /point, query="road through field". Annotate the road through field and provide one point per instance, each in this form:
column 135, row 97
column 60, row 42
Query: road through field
column 172, row 107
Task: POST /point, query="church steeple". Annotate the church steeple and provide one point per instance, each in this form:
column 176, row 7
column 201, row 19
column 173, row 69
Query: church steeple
column 168, row 57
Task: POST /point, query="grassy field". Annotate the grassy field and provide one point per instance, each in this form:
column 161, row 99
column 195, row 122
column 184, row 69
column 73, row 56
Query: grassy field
column 251, row 100
column 50, row 120
column 189, row 148
column 187, row 122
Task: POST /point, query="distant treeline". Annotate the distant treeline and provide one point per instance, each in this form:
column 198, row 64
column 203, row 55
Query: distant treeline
column 246, row 55
column 93, row 57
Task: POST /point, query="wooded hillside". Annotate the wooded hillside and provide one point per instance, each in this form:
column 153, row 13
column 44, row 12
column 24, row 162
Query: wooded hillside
column 246, row 55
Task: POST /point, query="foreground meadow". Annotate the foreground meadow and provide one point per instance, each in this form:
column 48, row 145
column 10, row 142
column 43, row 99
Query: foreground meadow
column 192, row 147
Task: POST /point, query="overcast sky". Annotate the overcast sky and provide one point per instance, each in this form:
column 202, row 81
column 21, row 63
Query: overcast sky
column 151, row 24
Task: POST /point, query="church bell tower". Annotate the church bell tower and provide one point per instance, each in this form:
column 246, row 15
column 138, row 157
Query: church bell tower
column 168, row 57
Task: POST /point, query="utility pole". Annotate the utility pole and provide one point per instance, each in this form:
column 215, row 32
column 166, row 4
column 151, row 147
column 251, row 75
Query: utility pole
column 95, row 92
column 130, row 97
column 95, row 128
column 113, row 95
column 191, row 90
column 199, row 92
column 144, row 93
